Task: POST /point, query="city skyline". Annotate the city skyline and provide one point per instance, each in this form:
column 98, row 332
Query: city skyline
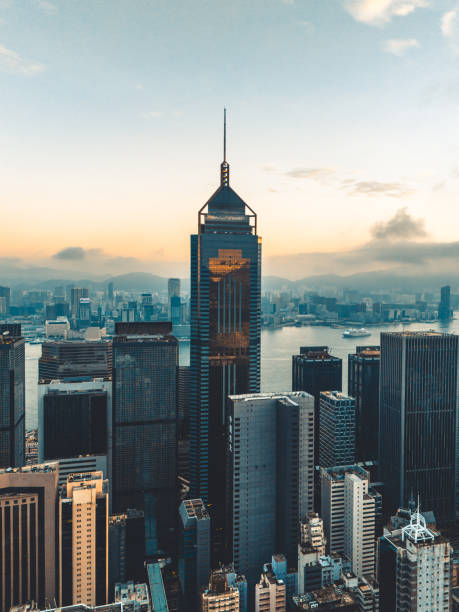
column 334, row 119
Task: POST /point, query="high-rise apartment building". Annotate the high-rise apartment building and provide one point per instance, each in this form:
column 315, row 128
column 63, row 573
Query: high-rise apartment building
column 337, row 429
column 444, row 309
column 348, row 512
column 418, row 420
column 270, row 593
column 414, row 569
column 314, row 370
column 12, row 396
column 220, row 596
column 270, row 476
column 194, row 550
column 310, row 549
column 74, row 418
column 83, row 540
column 75, row 359
column 363, row 385
column 225, row 335
column 145, row 358
column 27, row 535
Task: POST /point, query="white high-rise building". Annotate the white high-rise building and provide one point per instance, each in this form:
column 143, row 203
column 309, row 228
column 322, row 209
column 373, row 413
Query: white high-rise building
column 348, row 513
column 270, row 593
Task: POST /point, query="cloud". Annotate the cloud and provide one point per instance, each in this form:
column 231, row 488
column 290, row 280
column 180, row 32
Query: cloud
column 379, row 12
column 316, row 174
column 399, row 46
column 45, row 6
column 71, row 254
column 152, row 115
column 450, row 28
column 10, row 61
column 373, row 188
column 401, row 226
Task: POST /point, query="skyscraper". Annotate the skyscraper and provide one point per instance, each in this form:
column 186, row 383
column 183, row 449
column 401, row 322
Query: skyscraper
column 5, row 297
column 363, row 385
column 12, row 396
column 27, row 535
column 173, row 288
column 418, row 413
column 74, row 359
column 76, row 294
column 144, row 429
column 83, row 540
column 444, row 309
column 220, row 596
column 270, row 476
column 337, row 429
column 225, row 334
column 315, row 370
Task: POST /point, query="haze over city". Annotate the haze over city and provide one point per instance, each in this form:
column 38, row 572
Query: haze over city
column 342, row 131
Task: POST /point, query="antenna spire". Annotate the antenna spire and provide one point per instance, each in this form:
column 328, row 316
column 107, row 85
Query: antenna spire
column 224, row 167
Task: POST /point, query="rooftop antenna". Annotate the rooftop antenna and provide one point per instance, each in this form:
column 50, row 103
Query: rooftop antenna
column 224, row 168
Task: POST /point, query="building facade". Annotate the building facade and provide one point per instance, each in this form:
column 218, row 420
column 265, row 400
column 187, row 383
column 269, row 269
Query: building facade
column 74, row 359
column 418, row 414
column 220, row 596
column 225, row 336
column 337, row 429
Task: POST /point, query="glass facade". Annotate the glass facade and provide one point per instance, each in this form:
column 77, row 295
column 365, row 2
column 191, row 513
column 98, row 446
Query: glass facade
column 418, row 413
column 12, row 401
column 225, row 335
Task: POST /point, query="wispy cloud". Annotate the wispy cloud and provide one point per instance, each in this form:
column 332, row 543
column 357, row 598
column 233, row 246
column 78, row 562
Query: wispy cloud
column 45, row 6
column 399, row 46
column 152, row 115
column 379, row 12
column 10, row 61
column 375, row 188
column 316, row 174
column 450, row 28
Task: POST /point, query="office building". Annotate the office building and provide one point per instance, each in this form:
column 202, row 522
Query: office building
column 5, row 300
column 220, row 596
column 145, row 358
column 444, row 308
column 348, row 512
column 225, row 336
column 126, row 534
column 74, row 359
column 418, row 414
column 314, row 370
column 83, row 540
column 194, row 550
column 82, row 465
column 173, row 288
column 414, row 568
column 363, row 385
column 337, row 429
column 270, row 593
column 12, row 396
column 76, row 295
column 183, row 423
column 270, row 476
column 74, row 418
column 27, row 535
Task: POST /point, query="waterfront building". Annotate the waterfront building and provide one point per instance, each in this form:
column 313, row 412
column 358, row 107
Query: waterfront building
column 314, row 370
column 225, row 336
column 418, row 420
column 220, row 596
column 270, row 476
column 173, row 288
column 444, row 309
column 83, row 540
column 12, row 396
column 73, row 359
column 5, row 300
column 27, row 535
column 348, row 513
column 145, row 359
column 194, row 550
column 337, row 429
column 414, row 568
column 363, row 385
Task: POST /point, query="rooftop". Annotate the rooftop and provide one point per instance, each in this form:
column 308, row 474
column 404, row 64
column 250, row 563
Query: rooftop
column 52, row 466
column 338, row 473
column 332, row 596
column 195, row 508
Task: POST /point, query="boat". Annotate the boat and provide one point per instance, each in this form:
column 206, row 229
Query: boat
column 356, row 333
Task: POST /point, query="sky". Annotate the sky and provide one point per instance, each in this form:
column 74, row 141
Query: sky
column 342, row 130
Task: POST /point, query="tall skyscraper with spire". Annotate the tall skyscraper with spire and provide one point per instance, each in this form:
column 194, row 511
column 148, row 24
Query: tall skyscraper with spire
column 225, row 334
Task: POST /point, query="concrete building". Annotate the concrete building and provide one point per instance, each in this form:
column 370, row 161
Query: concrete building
column 220, row 596
column 270, row 593
column 337, row 429
column 133, row 596
column 126, row 534
column 12, row 396
column 334, row 597
column 270, row 476
column 194, row 549
column 73, row 359
column 311, row 547
column 57, row 328
column 83, row 540
column 414, row 569
column 348, row 513
column 28, row 547
column 82, row 465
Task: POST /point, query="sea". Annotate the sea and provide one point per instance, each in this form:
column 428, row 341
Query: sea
column 277, row 348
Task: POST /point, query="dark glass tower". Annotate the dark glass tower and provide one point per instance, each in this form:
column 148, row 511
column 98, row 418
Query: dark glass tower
column 225, row 334
column 444, row 309
column 417, row 420
column 12, row 396
column 363, row 384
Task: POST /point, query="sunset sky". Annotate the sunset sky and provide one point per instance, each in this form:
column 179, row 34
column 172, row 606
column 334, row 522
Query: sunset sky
column 342, row 114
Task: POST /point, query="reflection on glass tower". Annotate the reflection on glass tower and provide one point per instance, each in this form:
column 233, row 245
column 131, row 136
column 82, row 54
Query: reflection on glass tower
column 225, row 334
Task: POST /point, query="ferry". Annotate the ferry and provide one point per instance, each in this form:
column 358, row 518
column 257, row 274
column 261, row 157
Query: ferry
column 356, row 333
